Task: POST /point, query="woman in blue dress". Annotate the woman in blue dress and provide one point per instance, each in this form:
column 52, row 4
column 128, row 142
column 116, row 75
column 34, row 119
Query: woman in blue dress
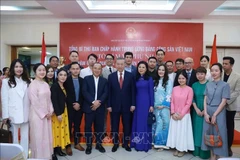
column 162, row 94
column 216, row 95
column 141, row 138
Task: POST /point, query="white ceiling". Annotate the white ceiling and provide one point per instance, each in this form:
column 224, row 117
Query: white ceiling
column 119, row 9
column 36, row 51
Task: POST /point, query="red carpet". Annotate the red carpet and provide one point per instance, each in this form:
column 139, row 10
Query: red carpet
column 236, row 139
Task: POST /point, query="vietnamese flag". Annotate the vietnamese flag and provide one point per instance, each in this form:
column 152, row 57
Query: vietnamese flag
column 43, row 54
column 214, row 58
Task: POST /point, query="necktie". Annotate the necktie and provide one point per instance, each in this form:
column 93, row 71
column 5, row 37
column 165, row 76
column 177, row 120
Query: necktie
column 110, row 69
column 189, row 75
column 121, row 80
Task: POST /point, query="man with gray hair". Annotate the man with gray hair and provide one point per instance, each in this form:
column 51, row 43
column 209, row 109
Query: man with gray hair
column 191, row 73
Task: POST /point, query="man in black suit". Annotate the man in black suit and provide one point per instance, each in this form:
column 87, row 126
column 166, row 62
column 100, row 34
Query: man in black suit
column 53, row 62
column 121, row 102
column 191, row 73
column 95, row 92
column 73, row 57
column 73, row 86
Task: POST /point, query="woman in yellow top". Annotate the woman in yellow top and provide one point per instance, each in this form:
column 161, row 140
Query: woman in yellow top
column 60, row 118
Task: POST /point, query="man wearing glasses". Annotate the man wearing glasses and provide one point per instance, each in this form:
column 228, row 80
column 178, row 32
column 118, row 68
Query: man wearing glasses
column 191, row 73
column 108, row 69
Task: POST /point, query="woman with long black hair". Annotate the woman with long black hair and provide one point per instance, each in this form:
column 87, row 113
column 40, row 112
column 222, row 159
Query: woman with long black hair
column 15, row 103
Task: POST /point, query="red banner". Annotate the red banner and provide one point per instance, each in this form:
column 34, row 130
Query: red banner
column 179, row 40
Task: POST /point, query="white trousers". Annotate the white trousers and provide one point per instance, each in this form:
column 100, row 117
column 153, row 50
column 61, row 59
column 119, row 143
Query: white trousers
column 24, row 141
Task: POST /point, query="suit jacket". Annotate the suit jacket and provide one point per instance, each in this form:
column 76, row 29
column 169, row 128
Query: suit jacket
column 134, row 71
column 234, row 83
column 106, row 72
column 89, row 93
column 192, row 80
column 67, row 67
column 121, row 98
column 71, row 96
column 58, row 99
column 15, row 102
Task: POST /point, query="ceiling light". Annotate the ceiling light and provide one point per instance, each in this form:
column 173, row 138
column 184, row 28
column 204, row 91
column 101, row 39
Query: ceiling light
column 26, row 48
column 10, row 8
column 48, row 53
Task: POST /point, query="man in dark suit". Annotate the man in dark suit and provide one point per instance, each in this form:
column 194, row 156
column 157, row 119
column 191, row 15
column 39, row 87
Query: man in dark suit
column 128, row 63
column 73, row 86
column 95, row 92
column 73, row 57
column 121, row 102
column 191, row 73
column 53, row 62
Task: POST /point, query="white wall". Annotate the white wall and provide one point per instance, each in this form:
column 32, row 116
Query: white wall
column 19, row 33
column 26, row 34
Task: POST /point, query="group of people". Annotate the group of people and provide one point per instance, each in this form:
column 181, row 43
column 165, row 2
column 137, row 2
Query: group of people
column 186, row 104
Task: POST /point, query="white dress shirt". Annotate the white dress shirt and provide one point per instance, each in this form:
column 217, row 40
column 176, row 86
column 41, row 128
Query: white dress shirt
column 171, row 76
column 118, row 73
column 86, row 72
column 96, row 79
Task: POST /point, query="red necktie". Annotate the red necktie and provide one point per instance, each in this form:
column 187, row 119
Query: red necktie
column 121, row 80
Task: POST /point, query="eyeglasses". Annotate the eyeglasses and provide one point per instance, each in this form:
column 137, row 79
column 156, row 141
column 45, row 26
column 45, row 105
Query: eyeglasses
column 109, row 59
column 178, row 63
column 187, row 62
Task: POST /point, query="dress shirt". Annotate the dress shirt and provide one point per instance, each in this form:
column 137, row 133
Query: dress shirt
column 119, row 75
column 96, row 79
column 85, row 72
column 129, row 69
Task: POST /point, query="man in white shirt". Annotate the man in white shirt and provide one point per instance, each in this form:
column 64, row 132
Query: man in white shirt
column 92, row 58
column 95, row 92
column 171, row 73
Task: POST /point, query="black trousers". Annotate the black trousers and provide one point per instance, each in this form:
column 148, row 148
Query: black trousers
column 75, row 118
column 127, row 124
column 96, row 119
column 230, row 127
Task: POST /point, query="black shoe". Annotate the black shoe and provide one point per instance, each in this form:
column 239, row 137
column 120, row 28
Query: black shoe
column 61, row 153
column 115, row 147
column 100, row 148
column 127, row 148
column 88, row 150
column 230, row 153
column 54, row 157
column 58, row 150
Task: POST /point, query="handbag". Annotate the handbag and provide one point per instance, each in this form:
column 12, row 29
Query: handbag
column 151, row 118
column 213, row 140
column 5, row 134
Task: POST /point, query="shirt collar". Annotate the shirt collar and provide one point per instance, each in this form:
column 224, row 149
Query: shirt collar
column 96, row 78
column 189, row 71
column 122, row 73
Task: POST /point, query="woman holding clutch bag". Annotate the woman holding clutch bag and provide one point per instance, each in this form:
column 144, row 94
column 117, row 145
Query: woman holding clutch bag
column 15, row 103
column 141, row 131
column 216, row 95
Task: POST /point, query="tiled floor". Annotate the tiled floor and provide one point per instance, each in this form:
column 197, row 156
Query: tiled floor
column 237, row 124
column 121, row 154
